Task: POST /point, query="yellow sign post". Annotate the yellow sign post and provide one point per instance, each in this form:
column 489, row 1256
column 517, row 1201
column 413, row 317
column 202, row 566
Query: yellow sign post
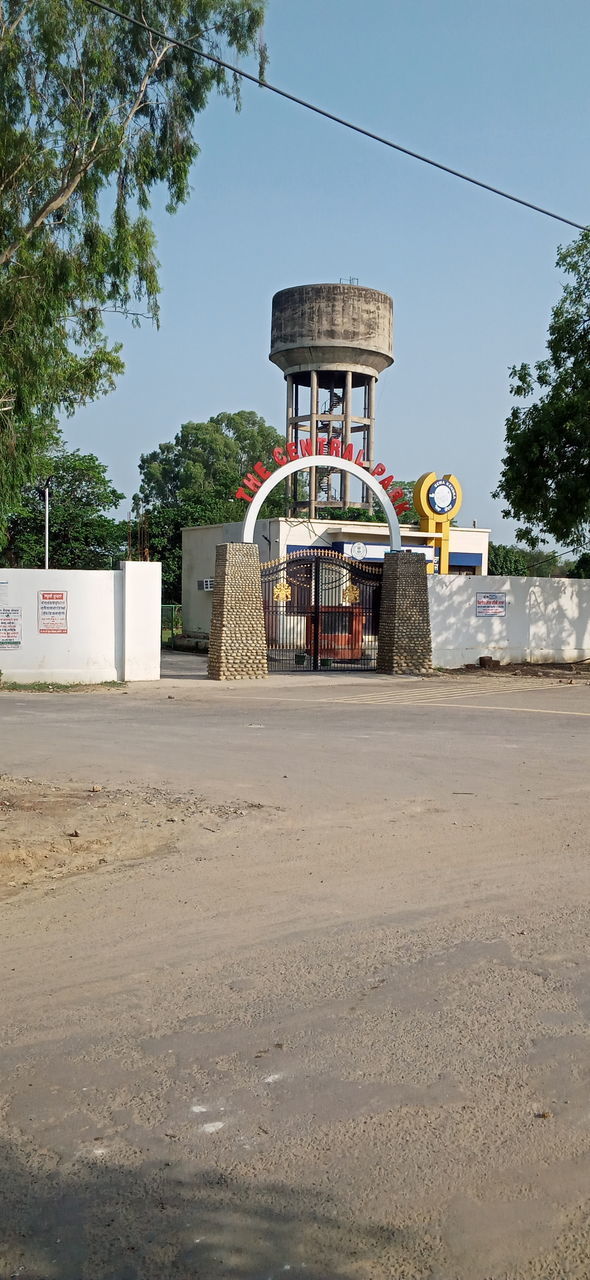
column 437, row 501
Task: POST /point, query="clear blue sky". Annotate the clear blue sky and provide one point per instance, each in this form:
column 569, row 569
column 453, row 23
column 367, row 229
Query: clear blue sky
column 282, row 197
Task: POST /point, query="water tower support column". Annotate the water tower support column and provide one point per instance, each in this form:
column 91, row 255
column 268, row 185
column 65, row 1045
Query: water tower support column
column 313, row 431
column 347, row 433
column 371, row 435
column 290, row 484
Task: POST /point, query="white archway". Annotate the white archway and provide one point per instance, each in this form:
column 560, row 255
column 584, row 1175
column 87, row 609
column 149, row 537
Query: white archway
column 334, row 464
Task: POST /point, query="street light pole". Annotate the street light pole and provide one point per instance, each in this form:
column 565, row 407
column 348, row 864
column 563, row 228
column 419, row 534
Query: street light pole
column 47, row 483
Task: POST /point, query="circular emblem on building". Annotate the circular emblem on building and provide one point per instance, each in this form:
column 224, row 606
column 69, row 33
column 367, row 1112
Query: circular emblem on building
column 442, row 496
column 358, row 550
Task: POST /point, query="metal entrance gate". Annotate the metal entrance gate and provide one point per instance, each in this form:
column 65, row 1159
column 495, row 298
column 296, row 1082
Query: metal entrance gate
column 321, row 610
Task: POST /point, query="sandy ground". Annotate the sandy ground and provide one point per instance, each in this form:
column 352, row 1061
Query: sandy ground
column 332, row 1022
column 48, row 832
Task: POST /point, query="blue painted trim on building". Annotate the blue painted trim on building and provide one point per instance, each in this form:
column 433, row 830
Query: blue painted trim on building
column 457, row 559
column 465, row 558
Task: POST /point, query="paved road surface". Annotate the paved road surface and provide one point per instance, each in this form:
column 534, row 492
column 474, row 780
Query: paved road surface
column 345, row 1037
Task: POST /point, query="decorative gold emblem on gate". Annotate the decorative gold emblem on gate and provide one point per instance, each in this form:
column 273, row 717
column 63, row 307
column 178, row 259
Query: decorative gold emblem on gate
column 351, row 594
column 282, row 592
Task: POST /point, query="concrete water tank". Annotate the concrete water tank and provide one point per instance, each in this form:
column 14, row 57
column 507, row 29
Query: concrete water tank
column 332, row 327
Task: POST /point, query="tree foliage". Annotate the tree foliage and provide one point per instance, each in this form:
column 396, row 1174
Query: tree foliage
column 95, row 114
column 547, row 564
column 581, row 568
column 82, row 535
column 191, row 480
column 545, row 476
column 523, row 562
column 504, row 561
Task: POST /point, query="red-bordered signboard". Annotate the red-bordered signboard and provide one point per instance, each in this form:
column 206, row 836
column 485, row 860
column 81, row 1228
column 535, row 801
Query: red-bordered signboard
column 52, row 613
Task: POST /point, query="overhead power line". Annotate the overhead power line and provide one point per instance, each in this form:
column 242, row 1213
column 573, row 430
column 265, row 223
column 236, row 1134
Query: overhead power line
column 557, row 555
column 329, row 115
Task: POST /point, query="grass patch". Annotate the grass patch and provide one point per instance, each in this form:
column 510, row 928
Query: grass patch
column 39, row 686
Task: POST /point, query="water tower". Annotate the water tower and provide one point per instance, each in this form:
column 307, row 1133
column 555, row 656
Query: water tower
column 331, row 341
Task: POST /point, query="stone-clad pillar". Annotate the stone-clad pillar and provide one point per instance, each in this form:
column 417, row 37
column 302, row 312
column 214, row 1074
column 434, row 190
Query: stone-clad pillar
column 405, row 644
column 237, row 639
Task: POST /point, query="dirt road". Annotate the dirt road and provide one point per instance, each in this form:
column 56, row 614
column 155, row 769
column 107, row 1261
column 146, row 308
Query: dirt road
column 329, row 1023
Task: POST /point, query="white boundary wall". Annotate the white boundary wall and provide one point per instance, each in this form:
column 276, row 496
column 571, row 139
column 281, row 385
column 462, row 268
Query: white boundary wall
column 546, row 619
column 113, row 624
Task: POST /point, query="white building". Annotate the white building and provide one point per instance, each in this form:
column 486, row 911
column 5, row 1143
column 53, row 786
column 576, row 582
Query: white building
column 278, row 537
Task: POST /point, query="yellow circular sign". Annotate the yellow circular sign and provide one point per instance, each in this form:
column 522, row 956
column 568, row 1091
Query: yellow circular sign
column 438, row 498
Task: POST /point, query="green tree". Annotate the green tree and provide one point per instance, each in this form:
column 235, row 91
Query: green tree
column 547, row 564
column 545, row 476
column 504, row 561
column 81, row 533
column 581, row 568
column 192, row 480
column 95, row 114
